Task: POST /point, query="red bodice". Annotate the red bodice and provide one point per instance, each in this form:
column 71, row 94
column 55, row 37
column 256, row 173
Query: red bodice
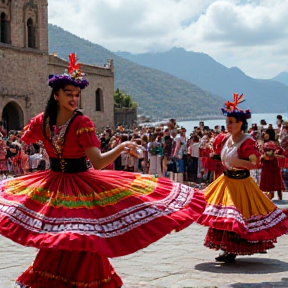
column 80, row 135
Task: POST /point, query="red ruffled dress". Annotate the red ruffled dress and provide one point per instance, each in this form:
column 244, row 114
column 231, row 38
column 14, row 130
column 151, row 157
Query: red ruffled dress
column 78, row 220
column 241, row 219
column 271, row 179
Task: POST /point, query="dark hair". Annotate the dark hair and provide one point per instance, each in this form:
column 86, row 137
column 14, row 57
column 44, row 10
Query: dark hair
column 240, row 117
column 144, row 138
column 41, row 165
column 271, row 133
column 36, row 147
column 137, row 141
column 152, row 137
column 51, row 108
column 244, row 125
column 195, row 138
column 124, row 137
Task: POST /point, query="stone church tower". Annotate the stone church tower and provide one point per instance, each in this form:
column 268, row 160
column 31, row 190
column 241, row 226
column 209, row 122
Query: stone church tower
column 25, row 64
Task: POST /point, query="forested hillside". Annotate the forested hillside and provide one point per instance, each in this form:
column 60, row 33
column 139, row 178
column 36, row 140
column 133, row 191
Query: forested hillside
column 159, row 95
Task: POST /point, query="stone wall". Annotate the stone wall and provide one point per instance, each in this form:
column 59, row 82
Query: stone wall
column 23, row 81
column 125, row 117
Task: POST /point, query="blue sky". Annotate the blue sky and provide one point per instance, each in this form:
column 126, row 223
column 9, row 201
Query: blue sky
column 252, row 35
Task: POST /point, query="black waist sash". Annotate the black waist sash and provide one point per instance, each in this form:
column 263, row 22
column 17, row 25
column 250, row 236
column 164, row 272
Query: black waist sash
column 237, row 174
column 68, row 165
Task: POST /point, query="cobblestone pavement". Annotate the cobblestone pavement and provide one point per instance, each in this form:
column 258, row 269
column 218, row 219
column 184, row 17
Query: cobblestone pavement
column 178, row 260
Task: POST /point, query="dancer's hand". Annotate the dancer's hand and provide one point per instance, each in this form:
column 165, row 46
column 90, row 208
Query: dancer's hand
column 130, row 148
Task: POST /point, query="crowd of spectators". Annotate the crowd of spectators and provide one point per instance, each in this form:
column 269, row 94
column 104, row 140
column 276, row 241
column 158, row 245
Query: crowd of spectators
column 164, row 150
column 18, row 158
column 167, row 150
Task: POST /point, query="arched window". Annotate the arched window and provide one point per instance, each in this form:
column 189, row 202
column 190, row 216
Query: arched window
column 31, row 33
column 4, row 29
column 99, row 100
column 13, row 116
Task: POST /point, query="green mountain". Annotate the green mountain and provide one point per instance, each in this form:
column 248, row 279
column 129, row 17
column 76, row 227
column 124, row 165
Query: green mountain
column 200, row 69
column 159, row 94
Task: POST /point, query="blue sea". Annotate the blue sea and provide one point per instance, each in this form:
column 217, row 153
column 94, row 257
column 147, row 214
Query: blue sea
column 270, row 118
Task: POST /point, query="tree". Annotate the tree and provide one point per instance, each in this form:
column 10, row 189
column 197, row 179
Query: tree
column 123, row 100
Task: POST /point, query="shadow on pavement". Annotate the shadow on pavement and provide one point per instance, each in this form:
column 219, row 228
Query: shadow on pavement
column 244, row 265
column 280, row 202
column 282, row 284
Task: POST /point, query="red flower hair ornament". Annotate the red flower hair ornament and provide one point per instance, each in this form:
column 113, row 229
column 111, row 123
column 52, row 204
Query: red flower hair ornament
column 231, row 110
column 73, row 75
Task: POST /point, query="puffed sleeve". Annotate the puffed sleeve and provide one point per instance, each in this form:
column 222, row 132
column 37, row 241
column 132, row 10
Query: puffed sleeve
column 86, row 133
column 219, row 143
column 248, row 148
column 33, row 131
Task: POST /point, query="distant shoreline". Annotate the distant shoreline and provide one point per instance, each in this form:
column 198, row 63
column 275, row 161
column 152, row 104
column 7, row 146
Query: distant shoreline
column 218, row 120
column 181, row 119
column 200, row 118
column 208, row 117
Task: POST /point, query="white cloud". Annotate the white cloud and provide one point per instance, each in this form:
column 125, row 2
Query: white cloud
column 252, row 35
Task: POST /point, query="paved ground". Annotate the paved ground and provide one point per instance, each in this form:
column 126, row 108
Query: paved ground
column 178, row 260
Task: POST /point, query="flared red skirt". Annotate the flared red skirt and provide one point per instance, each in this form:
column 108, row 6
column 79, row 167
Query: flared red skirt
column 69, row 269
column 95, row 211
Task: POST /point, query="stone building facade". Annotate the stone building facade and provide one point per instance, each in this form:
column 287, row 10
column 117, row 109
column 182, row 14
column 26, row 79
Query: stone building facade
column 25, row 64
column 126, row 117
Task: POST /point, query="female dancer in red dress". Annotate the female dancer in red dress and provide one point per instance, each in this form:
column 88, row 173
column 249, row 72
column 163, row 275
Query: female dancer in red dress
column 241, row 219
column 78, row 217
column 271, row 179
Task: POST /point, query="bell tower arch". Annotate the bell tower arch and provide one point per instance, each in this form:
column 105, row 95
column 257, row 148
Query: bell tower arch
column 5, row 21
column 24, row 23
